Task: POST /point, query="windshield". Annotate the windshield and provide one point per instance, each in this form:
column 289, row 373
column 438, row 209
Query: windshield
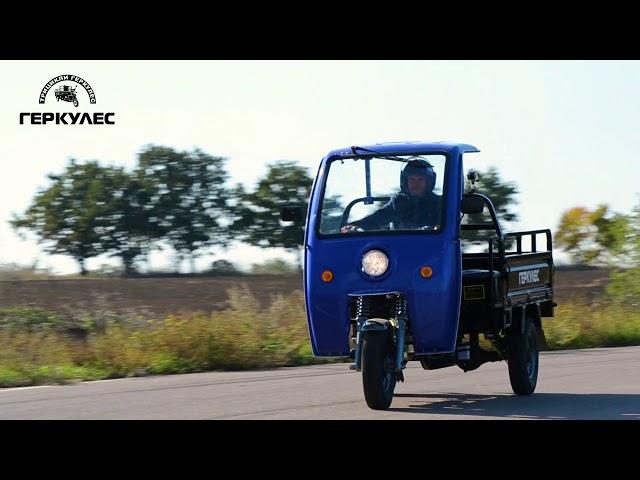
column 381, row 194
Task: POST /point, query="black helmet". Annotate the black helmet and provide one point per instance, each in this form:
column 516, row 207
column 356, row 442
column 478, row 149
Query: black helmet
column 421, row 168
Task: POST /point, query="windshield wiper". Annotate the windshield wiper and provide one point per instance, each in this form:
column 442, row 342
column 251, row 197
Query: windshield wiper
column 382, row 155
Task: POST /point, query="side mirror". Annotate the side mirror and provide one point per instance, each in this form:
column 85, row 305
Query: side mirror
column 291, row 213
column 473, row 176
column 471, row 205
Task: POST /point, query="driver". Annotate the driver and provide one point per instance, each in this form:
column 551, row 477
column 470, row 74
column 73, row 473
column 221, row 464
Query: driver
column 415, row 206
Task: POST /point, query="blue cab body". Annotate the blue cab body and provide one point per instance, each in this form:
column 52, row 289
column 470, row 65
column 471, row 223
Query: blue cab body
column 433, row 303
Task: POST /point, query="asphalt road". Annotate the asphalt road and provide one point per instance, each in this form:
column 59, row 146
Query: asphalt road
column 601, row 383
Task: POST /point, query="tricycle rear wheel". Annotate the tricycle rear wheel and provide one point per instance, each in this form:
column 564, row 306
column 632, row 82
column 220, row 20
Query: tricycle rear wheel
column 523, row 359
column 378, row 369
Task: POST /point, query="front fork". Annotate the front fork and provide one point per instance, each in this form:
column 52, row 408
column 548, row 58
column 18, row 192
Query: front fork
column 364, row 323
column 401, row 331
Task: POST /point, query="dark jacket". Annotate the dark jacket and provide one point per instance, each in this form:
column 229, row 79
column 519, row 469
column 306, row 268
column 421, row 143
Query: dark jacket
column 406, row 212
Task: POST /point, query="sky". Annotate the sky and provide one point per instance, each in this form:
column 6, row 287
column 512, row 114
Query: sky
column 566, row 132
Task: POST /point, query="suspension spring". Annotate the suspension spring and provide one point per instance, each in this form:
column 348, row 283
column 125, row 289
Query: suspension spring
column 363, row 308
column 401, row 306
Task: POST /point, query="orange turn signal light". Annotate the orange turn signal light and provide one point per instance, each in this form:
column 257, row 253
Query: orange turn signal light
column 327, row 276
column 426, row 272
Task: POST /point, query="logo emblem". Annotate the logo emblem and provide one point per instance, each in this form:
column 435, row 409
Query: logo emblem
column 67, row 92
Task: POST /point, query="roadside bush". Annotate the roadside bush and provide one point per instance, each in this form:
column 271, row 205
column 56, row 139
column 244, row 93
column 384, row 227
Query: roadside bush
column 37, row 348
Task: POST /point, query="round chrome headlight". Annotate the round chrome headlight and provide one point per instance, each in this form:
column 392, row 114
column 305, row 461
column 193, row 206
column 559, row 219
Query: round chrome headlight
column 375, row 263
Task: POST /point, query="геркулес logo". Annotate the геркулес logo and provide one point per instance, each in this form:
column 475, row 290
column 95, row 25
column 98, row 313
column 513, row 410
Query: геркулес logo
column 68, row 92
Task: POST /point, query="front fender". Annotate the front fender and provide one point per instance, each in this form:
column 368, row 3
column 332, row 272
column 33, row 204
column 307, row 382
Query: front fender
column 379, row 324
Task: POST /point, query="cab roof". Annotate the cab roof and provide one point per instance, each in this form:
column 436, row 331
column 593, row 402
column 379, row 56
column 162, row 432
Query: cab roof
column 404, row 148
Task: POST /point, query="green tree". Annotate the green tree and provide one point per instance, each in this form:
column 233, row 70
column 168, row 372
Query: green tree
column 223, row 267
column 258, row 213
column 634, row 236
column 624, row 284
column 70, row 216
column 131, row 229
column 188, row 197
column 502, row 194
column 596, row 237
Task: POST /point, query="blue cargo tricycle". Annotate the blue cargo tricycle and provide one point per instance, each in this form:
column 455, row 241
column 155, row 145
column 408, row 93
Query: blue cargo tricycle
column 386, row 280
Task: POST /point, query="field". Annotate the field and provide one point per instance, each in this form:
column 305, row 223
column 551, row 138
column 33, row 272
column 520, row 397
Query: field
column 161, row 296
column 147, row 296
column 67, row 329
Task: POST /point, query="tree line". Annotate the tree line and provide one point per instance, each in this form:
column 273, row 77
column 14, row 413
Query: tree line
column 183, row 199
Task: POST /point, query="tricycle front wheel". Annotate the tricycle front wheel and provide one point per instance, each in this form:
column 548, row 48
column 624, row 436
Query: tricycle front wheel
column 378, row 369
